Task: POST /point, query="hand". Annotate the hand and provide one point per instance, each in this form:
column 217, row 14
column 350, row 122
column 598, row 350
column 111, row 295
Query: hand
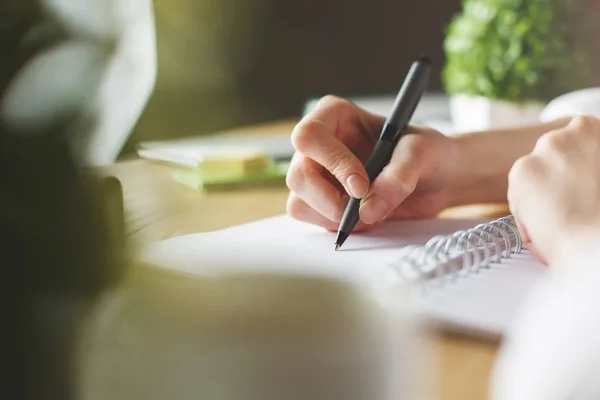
column 554, row 193
column 334, row 141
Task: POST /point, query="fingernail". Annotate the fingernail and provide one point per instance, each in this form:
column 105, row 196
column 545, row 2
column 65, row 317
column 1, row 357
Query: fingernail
column 357, row 186
column 373, row 209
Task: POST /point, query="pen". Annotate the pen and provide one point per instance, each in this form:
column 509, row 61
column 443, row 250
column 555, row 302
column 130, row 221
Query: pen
column 393, row 129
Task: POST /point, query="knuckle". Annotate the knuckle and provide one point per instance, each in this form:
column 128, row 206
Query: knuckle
column 417, row 146
column 551, row 141
column 306, row 133
column 584, row 124
column 396, row 174
column 416, row 151
column 518, row 169
column 339, row 164
column 404, row 180
column 331, row 100
column 295, row 177
column 523, row 168
column 339, row 106
column 294, row 207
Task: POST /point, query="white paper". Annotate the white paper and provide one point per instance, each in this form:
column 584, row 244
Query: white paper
column 482, row 302
column 191, row 151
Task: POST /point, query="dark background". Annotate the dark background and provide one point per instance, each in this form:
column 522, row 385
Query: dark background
column 233, row 62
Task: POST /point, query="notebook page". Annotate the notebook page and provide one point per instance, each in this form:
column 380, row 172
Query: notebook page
column 483, row 303
column 283, row 244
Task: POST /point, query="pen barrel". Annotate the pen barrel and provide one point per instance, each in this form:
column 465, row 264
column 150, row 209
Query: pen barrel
column 351, row 215
column 393, row 129
column 379, row 158
column 408, row 97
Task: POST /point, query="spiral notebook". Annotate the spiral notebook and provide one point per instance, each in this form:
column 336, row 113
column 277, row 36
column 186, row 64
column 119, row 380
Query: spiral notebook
column 471, row 275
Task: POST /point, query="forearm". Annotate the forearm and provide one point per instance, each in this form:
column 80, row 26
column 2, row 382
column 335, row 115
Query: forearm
column 485, row 159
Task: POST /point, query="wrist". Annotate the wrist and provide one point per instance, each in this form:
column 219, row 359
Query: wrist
column 484, row 160
column 472, row 180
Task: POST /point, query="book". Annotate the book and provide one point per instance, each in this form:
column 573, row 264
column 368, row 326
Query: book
column 467, row 276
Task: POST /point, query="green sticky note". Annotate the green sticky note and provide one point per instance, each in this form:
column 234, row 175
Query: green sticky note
column 272, row 175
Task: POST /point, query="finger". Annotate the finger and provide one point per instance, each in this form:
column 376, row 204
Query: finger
column 343, row 112
column 395, row 183
column 559, row 146
column 300, row 210
column 549, row 142
column 525, row 172
column 512, row 205
column 315, row 137
column 305, row 178
column 583, row 133
column 584, row 124
column 527, row 242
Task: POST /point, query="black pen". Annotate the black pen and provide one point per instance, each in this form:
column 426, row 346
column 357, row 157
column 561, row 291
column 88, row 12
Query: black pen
column 394, row 128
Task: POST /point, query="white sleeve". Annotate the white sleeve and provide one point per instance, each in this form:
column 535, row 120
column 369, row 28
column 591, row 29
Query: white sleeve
column 553, row 349
column 580, row 102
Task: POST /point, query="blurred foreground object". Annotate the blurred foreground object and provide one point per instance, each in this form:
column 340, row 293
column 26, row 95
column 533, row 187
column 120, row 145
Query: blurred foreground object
column 62, row 227
column 553, row 352
column 240, row 336
column 91, row 61
column 62, row 240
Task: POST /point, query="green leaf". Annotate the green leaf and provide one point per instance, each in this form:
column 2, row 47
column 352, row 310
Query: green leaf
column 517, row 50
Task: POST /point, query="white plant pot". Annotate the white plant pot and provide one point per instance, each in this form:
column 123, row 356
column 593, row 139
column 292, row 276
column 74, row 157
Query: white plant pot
column 471, row 113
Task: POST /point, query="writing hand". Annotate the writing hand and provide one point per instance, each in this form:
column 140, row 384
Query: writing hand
column 334, row 141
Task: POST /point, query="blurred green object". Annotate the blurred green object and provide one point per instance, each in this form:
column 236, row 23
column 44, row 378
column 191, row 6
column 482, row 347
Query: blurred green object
column 516, row 50
column 62, row 226
column 273, row 175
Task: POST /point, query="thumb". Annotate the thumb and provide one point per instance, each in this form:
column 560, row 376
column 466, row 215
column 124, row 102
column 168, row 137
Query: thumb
column 394, row 184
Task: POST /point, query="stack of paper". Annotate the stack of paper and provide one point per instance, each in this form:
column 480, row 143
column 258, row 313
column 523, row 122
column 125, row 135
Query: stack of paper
column 191, row 152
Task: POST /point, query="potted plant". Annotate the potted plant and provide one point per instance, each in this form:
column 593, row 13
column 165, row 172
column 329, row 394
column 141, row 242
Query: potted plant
column 506, row 59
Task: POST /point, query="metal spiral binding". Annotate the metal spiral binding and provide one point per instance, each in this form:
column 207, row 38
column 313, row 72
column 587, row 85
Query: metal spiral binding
column 462, row 253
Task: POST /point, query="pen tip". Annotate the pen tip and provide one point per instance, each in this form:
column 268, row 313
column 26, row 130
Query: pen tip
column 341, row 238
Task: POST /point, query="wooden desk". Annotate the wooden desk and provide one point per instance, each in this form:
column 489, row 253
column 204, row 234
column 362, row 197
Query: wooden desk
column 159, row 208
